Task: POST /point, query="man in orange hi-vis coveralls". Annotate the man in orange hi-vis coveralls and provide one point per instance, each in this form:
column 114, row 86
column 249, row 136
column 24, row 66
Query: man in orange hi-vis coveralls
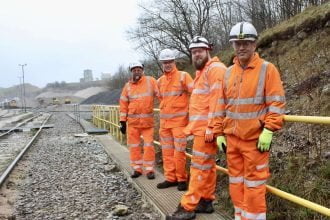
column 136, row 108
column 252, row 103
column 174, row 87
column 206, row 89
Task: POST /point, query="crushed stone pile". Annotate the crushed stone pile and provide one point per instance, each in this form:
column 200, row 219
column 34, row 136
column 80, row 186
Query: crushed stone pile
column 85, row 93
column 104, row 98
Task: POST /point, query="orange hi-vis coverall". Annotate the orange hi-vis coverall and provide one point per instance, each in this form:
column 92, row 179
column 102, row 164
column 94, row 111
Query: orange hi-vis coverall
column 136, row 107
column 206, row 88
column 252, row 99
column 174, row 88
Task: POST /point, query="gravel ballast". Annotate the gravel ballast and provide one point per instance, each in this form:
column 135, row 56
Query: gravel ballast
column 73, row 178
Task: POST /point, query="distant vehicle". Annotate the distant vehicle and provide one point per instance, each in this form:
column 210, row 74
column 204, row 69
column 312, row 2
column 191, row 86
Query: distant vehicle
column 56, row 101
column 67, row 101
column 10, row 104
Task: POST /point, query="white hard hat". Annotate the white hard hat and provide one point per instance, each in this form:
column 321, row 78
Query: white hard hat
column 166, row 54
column 135, row 64
column 243, row 31
column 199, row 42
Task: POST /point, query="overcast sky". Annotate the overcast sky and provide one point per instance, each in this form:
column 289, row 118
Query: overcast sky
column 58, row 39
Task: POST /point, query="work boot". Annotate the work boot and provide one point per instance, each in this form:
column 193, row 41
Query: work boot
column 151, row 175
column 136, row 174
column 166, row 184
column 181, row 214
column 182, row 186
column 204, row 206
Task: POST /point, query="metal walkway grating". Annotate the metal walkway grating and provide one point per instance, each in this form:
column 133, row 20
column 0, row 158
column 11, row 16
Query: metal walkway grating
column 164, row 200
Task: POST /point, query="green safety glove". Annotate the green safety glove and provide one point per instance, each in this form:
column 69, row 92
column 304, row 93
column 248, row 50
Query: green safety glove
column 265, row 139
column 222, row 144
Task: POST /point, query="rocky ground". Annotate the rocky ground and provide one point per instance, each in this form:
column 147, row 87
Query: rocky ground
column 65, row 177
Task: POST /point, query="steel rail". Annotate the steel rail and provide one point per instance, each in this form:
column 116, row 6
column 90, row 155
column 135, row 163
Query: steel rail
column 5, row 174
column 17, row 126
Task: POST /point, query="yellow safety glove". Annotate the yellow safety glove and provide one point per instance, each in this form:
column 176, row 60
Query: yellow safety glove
column 265, row 139
column 222, row 144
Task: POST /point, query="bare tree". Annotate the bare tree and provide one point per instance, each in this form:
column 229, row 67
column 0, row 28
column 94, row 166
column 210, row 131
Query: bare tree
column 173, row 23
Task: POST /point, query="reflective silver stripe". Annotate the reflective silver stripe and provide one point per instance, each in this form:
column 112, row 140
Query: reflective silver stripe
column 173, row 115
column 180, row 149
column 227, row 75
column 237, row 209
column 180, row 140
column 216, row 65
column 133, row 145
column 202, row 154
column 137, row 167
column 245, row 115
column 147, row 144
column 216, row 114
column 215, row 86
column 276, row 110
column 221, row 101
column 166, row 139
column 140, row 115
column 167, row 146
column 201, row 167
column 254, row 183
column 259, row 167
column 181, row 76
column 149, row 168
column 173, row 93
column 236, row 179
column 261, row 82
column 137, row 161
column 124, row 98
column 255, row 216
column 246, row 101
column 190, row 85
column 149, row 162
column 123, row 114
column 198, row 117
column 275, row 98
column 140, row 95
column 201, row 91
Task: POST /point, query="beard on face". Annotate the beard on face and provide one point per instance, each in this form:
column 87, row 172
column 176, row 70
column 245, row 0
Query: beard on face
column 200, row 62
column 136, row 77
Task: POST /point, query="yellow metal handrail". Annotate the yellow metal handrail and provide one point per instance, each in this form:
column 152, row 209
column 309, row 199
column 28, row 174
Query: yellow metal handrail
column 114, row 121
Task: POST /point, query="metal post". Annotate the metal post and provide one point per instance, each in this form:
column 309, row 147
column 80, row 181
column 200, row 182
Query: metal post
column 22, row 65
column 21, row 91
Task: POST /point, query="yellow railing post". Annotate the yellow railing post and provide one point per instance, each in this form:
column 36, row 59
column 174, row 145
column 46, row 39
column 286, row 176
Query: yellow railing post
column 116, row 122
column 103, row 116
column 109, row 119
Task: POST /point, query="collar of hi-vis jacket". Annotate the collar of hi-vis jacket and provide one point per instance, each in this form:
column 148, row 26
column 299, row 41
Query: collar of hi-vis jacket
column 199, row 72
column 168, row 75
column 255, row 61
column 139, row 81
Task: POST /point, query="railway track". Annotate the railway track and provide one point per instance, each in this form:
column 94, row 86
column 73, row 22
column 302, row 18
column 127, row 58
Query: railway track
column 13, row 147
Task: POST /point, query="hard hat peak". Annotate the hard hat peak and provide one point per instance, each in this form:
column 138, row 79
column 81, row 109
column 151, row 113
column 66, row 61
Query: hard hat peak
column 166, row 54
column 135, row 64
column 199, row 42
column 243, row 31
